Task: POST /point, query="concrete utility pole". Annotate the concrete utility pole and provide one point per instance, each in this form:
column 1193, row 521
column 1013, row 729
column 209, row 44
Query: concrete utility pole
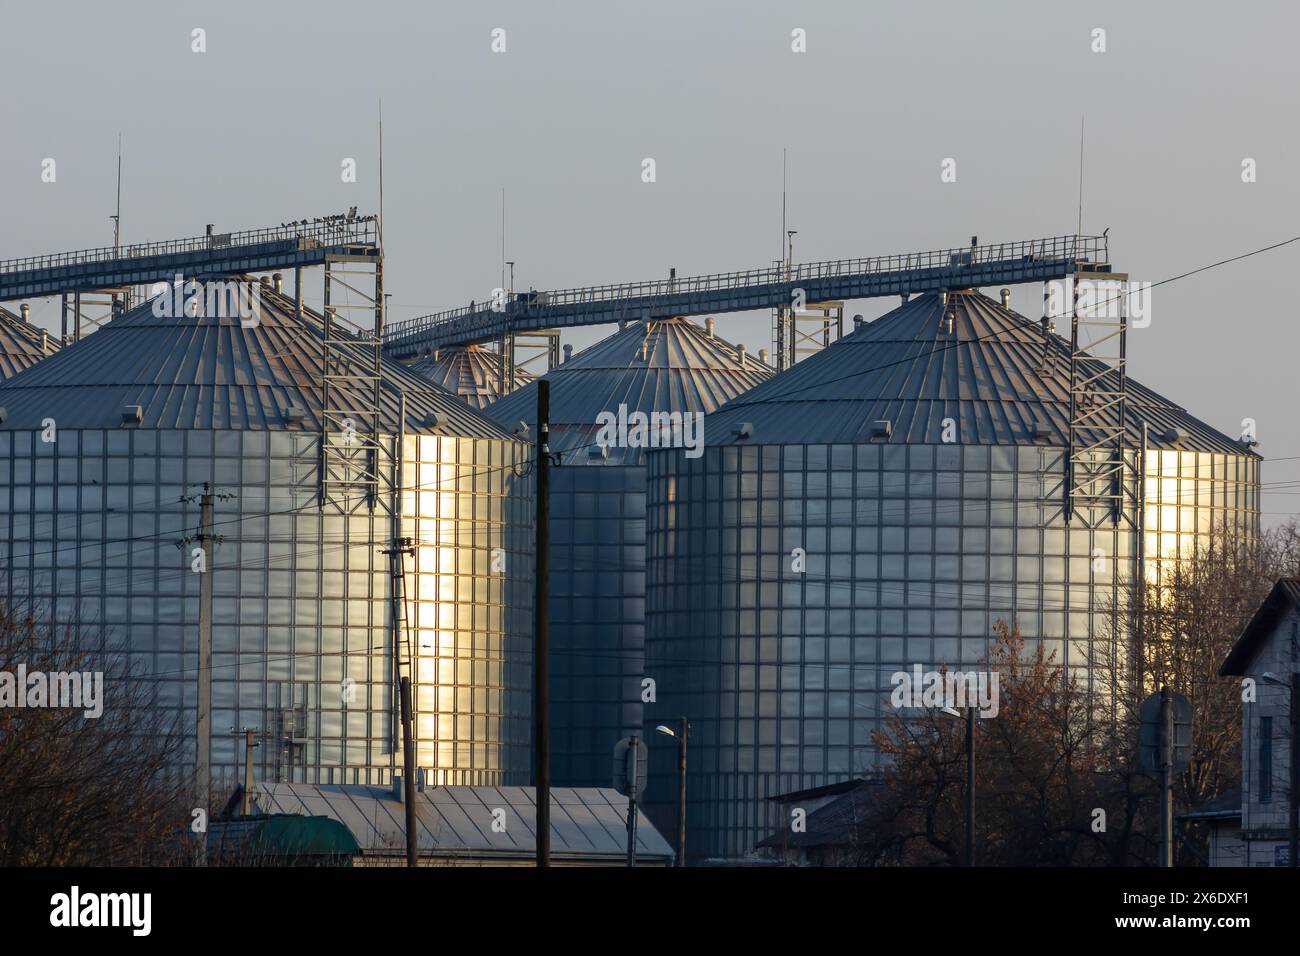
column 541, row 624
column 970, row 786
column 408, row 772
column 397, row 574
column 1166, row 778
column 249, row 744
column 1293, row 840
column 203, row 769
column 681, row 792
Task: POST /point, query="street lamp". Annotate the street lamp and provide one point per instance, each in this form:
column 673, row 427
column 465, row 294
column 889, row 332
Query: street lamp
column 970, row 780
column 1293, row 824
column 681, row 732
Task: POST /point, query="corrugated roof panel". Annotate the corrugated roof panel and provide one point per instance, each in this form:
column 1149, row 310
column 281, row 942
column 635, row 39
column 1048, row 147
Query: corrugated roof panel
column 216, row 373
column 906, row 368
column 673, row 365
column 458, row 820
column 22, row 344
column 469, row 371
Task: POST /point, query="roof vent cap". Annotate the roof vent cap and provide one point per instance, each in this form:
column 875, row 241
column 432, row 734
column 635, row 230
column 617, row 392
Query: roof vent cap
column 743, row 430
column 1174, row 435
column 858, row 322
column 882, row 429
column 1042, row 431
column 762, row 356
column 295, row 415
column 432, row 420
column 132, row 414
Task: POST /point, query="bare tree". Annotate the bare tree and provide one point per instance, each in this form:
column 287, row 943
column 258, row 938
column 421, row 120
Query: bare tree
column 78, row 789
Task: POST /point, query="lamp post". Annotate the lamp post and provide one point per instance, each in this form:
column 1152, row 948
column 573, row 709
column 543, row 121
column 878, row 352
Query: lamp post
column 681, row 733
column 1293, row 816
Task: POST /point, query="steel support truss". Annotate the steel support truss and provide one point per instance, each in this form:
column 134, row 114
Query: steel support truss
column 83, row 312
column 357, row 460
column 1101, row 480
column 538, row 348
column 797, row 333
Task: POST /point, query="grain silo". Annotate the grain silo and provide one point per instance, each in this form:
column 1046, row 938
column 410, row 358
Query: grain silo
column 471, row 371
column 597, row 592
column 104, row 448
column 881, row 505
column 22, row 344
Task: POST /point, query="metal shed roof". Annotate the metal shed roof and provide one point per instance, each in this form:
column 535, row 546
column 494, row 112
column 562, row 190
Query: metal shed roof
column 586, row 822
column 22, row 344
column 470, row 371
column 673, row 365
column 907, row 368
column 214, row 372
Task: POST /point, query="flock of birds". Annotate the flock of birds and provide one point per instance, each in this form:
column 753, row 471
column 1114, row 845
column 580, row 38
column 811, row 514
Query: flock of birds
column 349, row 216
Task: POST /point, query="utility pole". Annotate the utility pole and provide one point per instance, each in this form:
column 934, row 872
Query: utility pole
column 1166, row 777
column 203, row 770
column 681, row 792
column 249, row 744
column 970, row 786
column 634, row 755
column 541, row 624
column 400, row 548
column 408, row 773
column 1293, row 841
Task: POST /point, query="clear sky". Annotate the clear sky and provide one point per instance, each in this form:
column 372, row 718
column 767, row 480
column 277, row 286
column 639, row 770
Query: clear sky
column 254, row 130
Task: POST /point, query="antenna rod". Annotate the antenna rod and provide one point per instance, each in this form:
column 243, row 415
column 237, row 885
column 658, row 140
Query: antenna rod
column 783, row 151
column 503, row 237
column 380, row 225
column 117, row 219
column 1080, row 230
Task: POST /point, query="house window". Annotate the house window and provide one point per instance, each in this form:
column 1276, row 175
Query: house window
column 1265, row 759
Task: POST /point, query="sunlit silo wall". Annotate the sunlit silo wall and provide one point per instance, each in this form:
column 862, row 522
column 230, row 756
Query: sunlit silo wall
column 302, row 645
column 597, row 589
column 914, row 546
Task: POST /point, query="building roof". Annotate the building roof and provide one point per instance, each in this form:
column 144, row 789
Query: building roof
column 22, row 344
column 908, row 369
column 1284, row 596
column 671, row 365
column 831, row 824
column 1226, row 806
column 216, row 372
column 586, row 822
column 470, row 371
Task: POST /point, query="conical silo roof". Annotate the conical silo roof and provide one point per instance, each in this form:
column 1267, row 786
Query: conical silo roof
column 22, row 344
column 671, row 365
column 910, row 369
column 216, row 372
column 469, row 371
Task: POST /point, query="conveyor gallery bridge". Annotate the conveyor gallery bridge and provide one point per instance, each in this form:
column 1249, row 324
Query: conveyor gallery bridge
column 782, row 286
column 289, row 245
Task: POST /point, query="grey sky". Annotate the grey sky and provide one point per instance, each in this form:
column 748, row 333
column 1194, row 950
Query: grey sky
column 253, row 132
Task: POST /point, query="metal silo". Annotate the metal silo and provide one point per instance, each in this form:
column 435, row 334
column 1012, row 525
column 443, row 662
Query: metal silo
column 470, row 371
column 597, row 594
column 104, row 450
column 22, row 344
column 881, row 505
